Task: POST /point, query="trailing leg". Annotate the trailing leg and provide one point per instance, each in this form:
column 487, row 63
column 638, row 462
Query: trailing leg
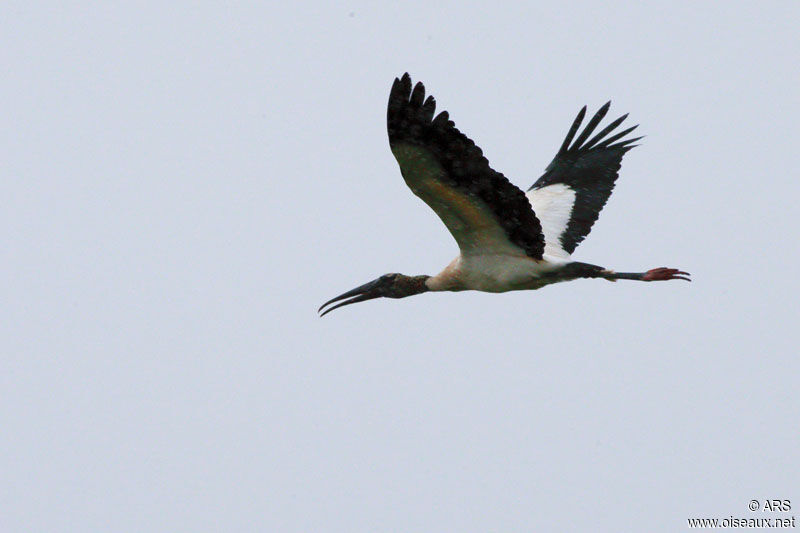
column 655, row 274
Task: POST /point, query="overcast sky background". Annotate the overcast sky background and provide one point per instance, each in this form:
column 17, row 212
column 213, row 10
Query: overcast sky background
column 183, row 185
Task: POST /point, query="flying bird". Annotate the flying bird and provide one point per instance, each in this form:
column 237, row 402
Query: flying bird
column 508, row 240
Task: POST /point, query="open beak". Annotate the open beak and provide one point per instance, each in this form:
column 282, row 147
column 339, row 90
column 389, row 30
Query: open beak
column 365, row 292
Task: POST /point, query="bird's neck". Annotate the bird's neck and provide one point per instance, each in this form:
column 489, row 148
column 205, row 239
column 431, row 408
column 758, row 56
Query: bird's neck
column 411, row 285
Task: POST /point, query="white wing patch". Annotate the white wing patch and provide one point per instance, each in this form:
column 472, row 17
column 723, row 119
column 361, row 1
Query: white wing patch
column 553, row 207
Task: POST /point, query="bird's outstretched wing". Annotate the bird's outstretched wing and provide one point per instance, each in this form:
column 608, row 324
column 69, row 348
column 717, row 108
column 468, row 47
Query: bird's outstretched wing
column 577, row 183
column 485, row 212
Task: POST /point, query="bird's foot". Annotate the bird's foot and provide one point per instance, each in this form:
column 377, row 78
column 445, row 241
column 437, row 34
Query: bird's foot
column 665, row 274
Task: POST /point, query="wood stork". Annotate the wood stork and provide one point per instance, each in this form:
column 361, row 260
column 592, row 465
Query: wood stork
column 508, row 240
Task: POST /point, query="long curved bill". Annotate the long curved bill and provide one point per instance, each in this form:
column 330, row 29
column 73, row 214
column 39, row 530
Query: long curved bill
column 363, row 293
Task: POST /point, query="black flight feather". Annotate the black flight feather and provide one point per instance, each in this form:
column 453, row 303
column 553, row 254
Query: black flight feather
column 591, row 125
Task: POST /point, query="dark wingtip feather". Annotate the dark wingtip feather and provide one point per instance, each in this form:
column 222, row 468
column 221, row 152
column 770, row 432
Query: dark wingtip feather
column 405, row 84
column 572, row 130
column 397, row 97
column 395, row 86
column 591, row 125
column 626, row 142
column 441, row 119
column 429, row 108
column 616, row 136
column 608, row 129
column 418, row 95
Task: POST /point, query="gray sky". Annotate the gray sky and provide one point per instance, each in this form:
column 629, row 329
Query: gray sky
column 182, row 187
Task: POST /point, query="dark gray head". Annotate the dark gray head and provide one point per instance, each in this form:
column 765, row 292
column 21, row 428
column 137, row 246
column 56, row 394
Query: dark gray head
column 386, row 286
